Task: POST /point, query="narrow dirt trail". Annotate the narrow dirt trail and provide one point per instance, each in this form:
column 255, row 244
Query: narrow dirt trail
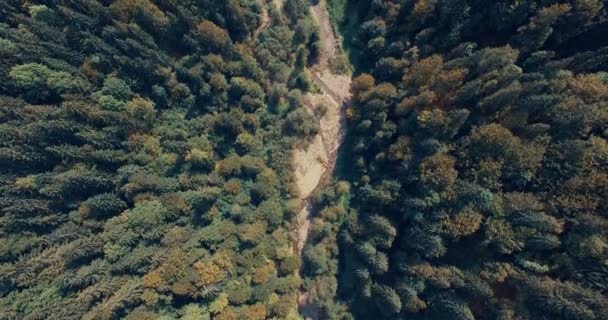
column 315, row 164
column 264, row 23
column 326, row 34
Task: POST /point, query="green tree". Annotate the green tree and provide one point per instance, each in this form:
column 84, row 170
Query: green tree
column 143, row 111
column 212, row 35
column 32, row 79
column 386, row 299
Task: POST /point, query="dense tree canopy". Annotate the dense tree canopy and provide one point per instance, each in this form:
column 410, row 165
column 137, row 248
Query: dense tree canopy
column 145, row 169
column 474, row 158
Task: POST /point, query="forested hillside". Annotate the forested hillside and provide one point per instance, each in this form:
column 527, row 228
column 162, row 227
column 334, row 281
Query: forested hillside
column 145, row 157
column 477, row 160
column 148, row 151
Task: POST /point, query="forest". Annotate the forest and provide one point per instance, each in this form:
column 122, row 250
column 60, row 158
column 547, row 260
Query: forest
column 145, row 158
column 147, row 173
column 475, row 173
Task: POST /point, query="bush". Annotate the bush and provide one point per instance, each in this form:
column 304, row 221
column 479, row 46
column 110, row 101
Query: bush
column 301, row 123
column 339, row 64
column 102, row 206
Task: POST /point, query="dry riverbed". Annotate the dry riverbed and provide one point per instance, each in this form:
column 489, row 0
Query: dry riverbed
column 315, row 163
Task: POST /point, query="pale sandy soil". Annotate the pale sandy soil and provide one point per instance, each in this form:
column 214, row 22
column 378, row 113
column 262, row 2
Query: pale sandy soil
column 315, row 163
column 318, row 159
column 278, row 4
column 327, row 36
